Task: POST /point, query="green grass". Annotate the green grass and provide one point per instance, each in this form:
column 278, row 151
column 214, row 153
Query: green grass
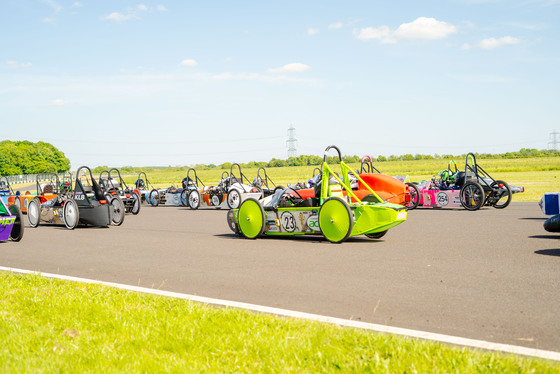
column 538, row 175
column 54, row 326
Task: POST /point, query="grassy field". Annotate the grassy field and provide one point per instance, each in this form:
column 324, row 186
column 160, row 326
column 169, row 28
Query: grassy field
column 537, row 175
column 53, row 326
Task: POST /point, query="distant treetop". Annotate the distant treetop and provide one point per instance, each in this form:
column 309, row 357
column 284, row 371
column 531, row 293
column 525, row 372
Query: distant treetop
column 25, row 157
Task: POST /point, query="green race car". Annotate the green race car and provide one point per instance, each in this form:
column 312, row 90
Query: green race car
column 327, row 209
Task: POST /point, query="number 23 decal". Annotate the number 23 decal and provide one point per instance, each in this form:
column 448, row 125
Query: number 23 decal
column 288, row 222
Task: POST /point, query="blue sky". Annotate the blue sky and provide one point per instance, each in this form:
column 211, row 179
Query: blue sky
column 182, row 82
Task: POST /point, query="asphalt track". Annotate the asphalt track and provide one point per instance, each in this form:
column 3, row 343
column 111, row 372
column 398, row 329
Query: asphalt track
column 491, row 275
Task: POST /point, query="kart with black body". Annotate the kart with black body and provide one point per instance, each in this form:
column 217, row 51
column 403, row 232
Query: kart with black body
column 113, row 184
column 86, row 204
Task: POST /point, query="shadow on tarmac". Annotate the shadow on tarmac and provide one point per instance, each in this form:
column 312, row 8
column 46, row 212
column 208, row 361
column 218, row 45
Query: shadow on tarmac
column 549, row 252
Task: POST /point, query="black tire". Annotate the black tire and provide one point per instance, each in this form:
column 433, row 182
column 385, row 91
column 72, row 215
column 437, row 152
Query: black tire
column 194, row 199
column 414, row 196
column 71, row 214
column 17, row 230
column 184, row 197
column 472, row 196
column 233, row 199
column 552, row 224
column 231, row 223
column 377, row 235
column 154, row 197
column 34, row 212
column 335, row 220
column 137, row 204
column 116, row 210
column 503, row 194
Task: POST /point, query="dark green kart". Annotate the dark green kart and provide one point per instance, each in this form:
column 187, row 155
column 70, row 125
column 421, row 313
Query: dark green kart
column 325, row 210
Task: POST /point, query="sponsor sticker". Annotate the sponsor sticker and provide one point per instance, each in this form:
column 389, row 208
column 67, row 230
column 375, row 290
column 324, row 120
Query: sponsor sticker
column 7, row 221
column 313, row 222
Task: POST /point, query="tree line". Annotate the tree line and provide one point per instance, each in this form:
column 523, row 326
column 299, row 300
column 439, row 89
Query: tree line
column 25, row 157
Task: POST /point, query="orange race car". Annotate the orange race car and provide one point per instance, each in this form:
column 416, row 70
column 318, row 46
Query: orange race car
column 388, row 188
column 11, row 197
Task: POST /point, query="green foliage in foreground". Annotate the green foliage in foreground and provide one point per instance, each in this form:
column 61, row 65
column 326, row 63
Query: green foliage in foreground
column 54, row 326
column 24, row 157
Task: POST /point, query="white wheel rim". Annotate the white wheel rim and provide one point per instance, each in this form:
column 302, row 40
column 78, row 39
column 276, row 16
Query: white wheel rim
column 233, row 199
column 70, row 214
column 136, row 203
column 117, row 212
column 33, row 213
column 193, row 199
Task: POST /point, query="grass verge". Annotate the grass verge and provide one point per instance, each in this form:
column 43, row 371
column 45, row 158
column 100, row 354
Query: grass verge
column 54, row 326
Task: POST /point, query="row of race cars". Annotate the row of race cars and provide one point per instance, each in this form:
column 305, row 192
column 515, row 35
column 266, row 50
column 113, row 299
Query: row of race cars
column 337, row 206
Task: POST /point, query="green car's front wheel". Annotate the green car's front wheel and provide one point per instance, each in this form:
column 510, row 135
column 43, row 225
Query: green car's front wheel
column 251, row 218
column 335, row 220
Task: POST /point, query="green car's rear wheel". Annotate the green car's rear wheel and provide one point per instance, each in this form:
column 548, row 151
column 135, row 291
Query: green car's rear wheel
column 335, row 220
column 251, row 218
column 377, row 235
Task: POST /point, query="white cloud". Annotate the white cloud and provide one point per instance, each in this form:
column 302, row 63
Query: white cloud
column 19, row 64
column 312, row 31
column 382, row 33
column 161, row 8
column 189, row 62
column 466, row 47
column 50, row 20
column 335, row 26
column 56, row 7
column 492, row 43
column 58, row 102
column 119, row 17
column 422, row 28
column 131, row 13
column 76, row 4
column 294, row 67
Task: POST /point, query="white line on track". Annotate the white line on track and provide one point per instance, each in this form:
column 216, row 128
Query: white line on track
column 480, row 344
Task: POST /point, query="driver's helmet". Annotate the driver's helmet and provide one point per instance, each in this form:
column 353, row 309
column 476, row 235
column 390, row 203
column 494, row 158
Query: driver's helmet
column 187, row 182
column 313, row 181
column 139, row 183
column 445, row 176
column 257, row 182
